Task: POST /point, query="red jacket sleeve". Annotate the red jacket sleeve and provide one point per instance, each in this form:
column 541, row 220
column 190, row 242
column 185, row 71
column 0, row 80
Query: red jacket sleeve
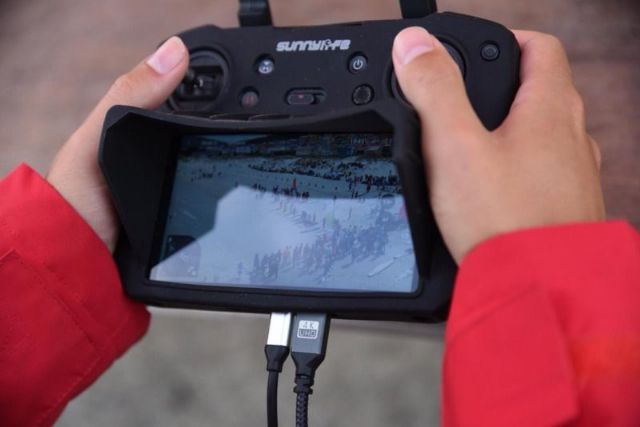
column 63, row 316
column 544, row 330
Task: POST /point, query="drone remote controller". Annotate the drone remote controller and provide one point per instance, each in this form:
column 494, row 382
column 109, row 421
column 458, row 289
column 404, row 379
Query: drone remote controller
column 285, row 172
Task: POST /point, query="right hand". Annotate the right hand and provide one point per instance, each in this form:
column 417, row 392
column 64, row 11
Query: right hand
column 539, row 168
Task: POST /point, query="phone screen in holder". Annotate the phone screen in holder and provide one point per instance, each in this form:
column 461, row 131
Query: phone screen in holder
column 314, row 212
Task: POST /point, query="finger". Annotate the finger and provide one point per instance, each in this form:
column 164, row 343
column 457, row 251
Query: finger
column 543, row 61
column 433, row 84
column 597, row 153
column 147, row 85
column 542, row 54
column 546, row 93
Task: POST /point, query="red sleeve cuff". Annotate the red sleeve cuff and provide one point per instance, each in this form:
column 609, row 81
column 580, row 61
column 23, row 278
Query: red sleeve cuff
column 530, row 314
column 63, row 315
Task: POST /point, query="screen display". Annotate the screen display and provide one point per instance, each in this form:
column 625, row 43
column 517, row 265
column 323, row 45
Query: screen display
column 315, row 212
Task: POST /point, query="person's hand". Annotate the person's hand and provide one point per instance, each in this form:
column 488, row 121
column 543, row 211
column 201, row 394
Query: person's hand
column 75, row 172
column 540, row 167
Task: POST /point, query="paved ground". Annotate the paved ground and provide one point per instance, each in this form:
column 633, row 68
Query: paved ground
column 59, row 56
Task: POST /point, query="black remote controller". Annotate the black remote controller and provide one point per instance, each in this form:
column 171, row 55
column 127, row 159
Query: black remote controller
column 322, row 80
column 297, row 71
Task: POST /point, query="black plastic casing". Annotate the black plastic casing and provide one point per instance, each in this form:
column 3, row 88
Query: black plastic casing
column 138, row 148
column 491, row 85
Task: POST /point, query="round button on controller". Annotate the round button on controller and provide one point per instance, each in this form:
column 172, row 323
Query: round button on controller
column 249, row 98
column 358, row 63
column 362, row 95
column 490, row 51
column 265, row 65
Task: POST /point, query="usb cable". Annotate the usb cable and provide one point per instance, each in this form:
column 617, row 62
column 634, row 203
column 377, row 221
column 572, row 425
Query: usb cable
column 308, row 347
column 308, row 338
column 277, row 351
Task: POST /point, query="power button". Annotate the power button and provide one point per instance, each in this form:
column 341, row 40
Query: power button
column 357, row 63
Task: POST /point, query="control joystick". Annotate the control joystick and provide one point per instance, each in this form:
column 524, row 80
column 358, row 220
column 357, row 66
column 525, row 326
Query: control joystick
column 203, row 83
column 455, row 54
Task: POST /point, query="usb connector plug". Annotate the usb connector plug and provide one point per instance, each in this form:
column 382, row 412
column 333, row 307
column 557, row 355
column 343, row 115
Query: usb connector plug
column 277, row 351
column 308, row 347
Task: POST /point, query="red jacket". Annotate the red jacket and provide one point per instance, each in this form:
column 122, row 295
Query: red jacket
column 544, row 329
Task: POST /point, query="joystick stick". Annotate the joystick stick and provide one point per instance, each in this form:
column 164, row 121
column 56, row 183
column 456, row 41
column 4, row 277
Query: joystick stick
column 203, row 83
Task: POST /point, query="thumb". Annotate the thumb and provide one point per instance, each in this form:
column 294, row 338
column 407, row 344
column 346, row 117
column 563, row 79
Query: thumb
column 433, row 84
column 147, row 85
column 75, row 171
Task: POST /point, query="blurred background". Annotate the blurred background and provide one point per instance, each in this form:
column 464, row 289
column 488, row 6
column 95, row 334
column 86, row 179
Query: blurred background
column 58, row 57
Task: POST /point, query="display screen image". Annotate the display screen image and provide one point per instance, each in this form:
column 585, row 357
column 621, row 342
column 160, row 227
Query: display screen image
column 315, row 212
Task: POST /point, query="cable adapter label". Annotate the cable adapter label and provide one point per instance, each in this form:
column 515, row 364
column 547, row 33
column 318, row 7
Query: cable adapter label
column 308, row 329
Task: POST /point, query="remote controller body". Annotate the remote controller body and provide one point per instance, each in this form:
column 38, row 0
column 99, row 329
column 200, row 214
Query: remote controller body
column 276, row 80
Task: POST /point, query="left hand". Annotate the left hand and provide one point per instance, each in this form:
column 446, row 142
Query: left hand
column 75, row 172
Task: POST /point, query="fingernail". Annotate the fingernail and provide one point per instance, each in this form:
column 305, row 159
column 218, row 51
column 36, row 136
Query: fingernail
column 168, row 56
column 411, row 43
